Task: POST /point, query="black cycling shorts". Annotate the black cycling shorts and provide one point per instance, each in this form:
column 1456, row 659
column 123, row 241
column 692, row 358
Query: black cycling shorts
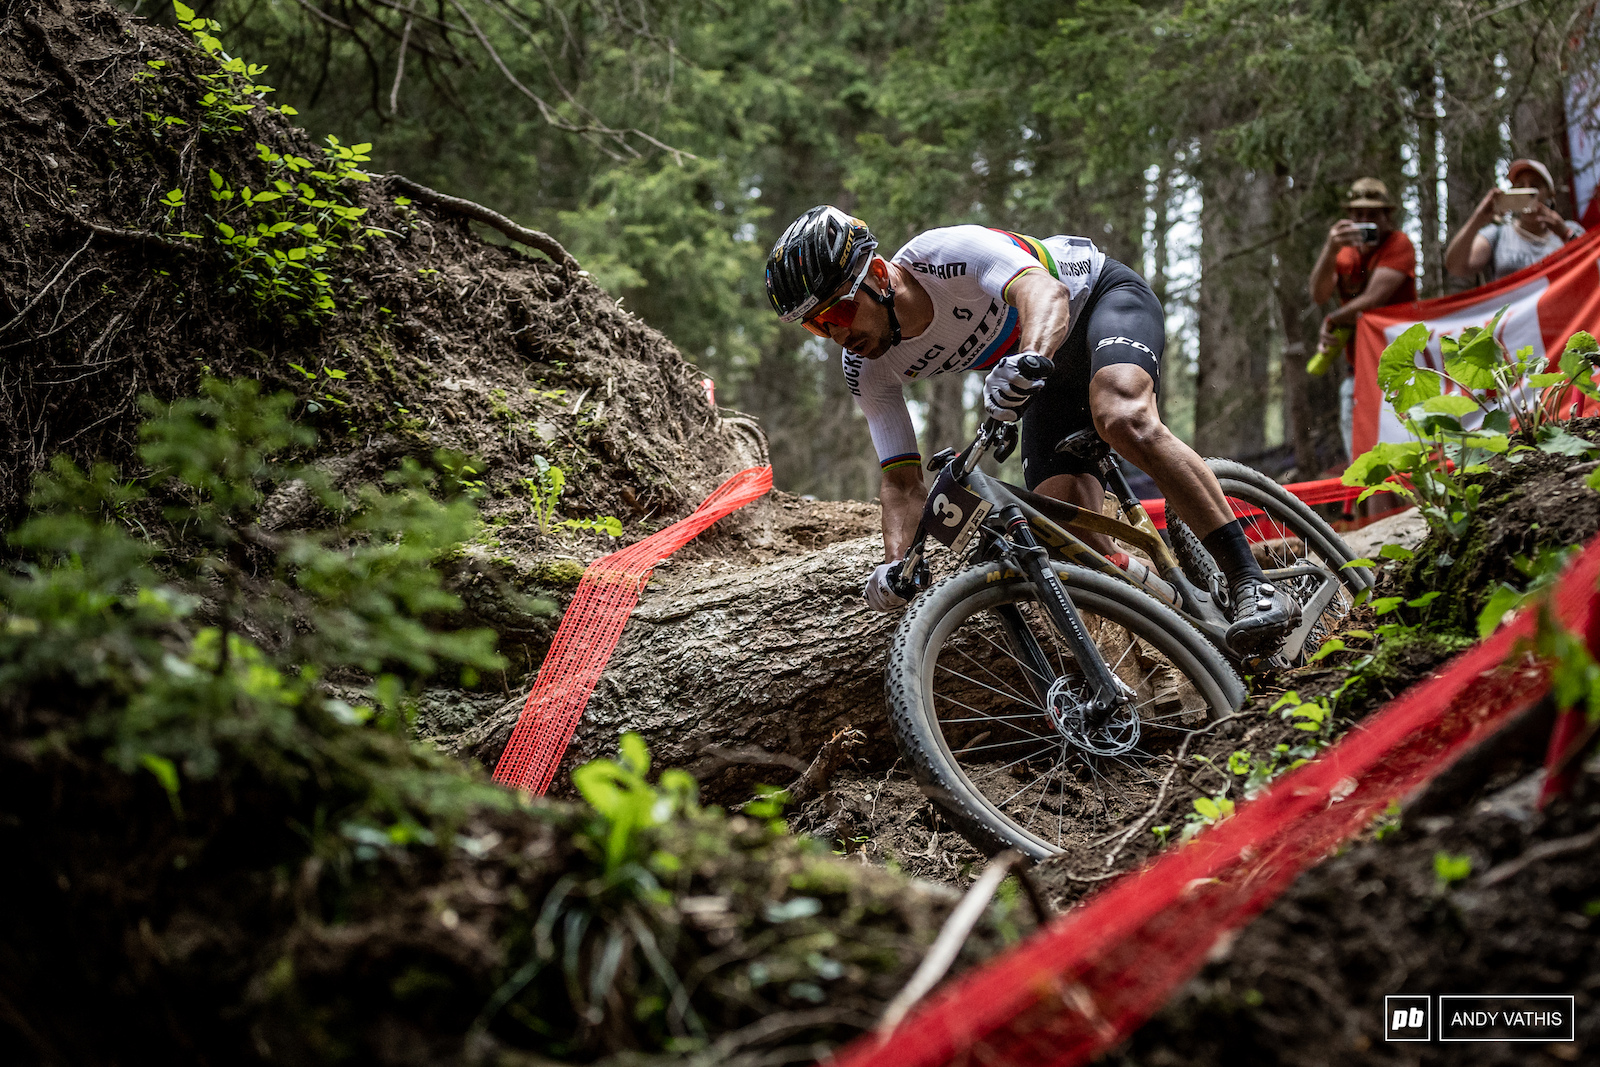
column 1122, row 322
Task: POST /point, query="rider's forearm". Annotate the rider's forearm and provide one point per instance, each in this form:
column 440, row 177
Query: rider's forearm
column 902, row 502
column 1046, row 329
column 1044, row 312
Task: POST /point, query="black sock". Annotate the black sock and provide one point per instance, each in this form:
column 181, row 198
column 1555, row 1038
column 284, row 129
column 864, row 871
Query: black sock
column 1228, row 546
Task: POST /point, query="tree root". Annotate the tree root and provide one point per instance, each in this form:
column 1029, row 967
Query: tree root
column 833, row 753
column 137, row 236
column 536, row 239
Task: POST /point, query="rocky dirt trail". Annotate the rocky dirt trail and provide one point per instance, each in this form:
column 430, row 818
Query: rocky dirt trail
column 751, row 659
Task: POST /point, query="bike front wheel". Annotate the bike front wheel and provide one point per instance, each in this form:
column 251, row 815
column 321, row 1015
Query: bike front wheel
column 982, row 690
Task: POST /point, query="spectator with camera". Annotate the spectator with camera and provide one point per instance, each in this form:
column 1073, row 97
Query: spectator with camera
column 1367, row 264
column 1511, row 229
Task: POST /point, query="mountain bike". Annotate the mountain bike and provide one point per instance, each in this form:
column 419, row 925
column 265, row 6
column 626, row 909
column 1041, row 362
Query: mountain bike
column 1035, row 691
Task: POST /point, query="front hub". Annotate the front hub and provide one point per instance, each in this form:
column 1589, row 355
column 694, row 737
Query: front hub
column 1070, row 707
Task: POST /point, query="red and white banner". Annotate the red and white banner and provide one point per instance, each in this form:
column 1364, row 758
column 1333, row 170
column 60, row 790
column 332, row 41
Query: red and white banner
column 1549, row 302
column 1583, row 144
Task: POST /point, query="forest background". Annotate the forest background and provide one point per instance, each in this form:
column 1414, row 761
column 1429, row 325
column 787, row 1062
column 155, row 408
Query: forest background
column 666, row 143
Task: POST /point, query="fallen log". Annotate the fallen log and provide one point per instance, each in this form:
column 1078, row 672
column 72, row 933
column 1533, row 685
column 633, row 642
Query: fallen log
column 722, row 659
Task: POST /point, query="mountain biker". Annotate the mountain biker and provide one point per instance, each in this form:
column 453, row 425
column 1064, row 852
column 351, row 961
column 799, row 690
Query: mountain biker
column 964, row 298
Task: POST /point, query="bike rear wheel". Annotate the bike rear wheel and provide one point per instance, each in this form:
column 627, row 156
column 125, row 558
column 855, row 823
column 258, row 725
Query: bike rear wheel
column 1286, row 536
column 979, row 719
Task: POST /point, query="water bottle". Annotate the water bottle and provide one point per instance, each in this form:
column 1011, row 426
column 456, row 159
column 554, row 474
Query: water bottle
column 1320, row 363
column 1145, row 578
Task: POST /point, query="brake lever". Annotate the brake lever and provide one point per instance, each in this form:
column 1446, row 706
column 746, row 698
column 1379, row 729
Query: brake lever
column 914, row 564
column 906, row 588
column 1008, row 442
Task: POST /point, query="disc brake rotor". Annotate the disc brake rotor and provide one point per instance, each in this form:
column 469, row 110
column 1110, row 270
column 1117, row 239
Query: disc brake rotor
column 1068, row 708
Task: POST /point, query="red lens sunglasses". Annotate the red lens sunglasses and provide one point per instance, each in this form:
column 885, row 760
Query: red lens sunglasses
column 840, row 313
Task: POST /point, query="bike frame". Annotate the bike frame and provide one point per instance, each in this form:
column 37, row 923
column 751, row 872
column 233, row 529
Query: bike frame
column 1026, row 529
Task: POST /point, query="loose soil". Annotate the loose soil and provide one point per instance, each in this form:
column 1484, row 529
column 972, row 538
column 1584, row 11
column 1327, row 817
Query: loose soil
column 224, row 939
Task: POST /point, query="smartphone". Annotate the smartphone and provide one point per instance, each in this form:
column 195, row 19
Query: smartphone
column 1514, row 200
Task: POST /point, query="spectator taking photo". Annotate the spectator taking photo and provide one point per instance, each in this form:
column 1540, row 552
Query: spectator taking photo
column 1368, row 264
column 1511, row 229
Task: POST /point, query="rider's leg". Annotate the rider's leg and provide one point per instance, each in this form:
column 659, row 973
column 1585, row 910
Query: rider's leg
column 1122, row 397
column 1125, row 339
column 1085, row 491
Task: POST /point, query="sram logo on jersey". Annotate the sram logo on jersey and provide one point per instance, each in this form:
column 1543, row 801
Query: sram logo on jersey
column 941, row 270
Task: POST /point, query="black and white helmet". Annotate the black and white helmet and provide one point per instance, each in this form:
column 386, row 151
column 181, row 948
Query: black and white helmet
column 820, row 251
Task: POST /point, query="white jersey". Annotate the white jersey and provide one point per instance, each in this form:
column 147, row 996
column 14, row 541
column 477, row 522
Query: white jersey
column 966, row 271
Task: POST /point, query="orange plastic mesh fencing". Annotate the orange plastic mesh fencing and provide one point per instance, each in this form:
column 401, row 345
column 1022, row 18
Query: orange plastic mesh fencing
column 1084, row 983
column 589, row 633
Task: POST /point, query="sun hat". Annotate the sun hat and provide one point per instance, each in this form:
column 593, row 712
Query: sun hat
column 1530, row 164
column 1369, row 192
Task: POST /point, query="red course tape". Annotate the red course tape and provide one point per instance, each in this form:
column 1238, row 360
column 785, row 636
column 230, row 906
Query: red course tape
column 1322, row 491
column 1084, row 983
column 589, row 633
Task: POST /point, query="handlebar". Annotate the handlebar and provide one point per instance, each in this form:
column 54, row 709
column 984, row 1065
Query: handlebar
column 1036, row 366
column 911, row 573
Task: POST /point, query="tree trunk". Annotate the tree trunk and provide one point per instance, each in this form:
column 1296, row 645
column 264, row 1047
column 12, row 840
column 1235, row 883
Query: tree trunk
column 947, row 413
column 1311, row 405
column 1431, row 273
column 1472, row 146
column 714, row 647
column 1235, row 315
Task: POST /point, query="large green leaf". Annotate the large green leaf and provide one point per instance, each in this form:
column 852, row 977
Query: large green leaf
column 1384, row 459
column 1455, row 405
column 1558, row 440
column 1578, row 362
column 1405, row 384
column 1476, row 356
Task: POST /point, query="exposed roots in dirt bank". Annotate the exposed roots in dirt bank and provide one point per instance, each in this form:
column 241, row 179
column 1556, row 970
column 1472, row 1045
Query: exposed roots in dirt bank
column 437, row 339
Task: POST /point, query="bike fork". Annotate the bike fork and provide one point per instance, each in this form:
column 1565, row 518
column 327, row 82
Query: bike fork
column 1034, row 561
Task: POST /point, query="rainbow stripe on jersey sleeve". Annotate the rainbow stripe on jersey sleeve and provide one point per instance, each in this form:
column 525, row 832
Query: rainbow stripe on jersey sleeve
column 1035, row 248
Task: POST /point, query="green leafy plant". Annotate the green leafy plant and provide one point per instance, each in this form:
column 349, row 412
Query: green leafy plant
column 1574, row 674
column 281, row 241
column 1208, row 811
column 1434, row 470
column 627, row 805
column 1448, row 869
column 602, row 928
column 218, row 661
column 1540, row 573
column 544, row 495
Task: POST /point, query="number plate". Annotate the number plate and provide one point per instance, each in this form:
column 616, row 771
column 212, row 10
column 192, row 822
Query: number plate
column 953, row 512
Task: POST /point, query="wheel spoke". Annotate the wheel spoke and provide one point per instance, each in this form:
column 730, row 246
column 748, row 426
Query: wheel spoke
column 990, row 688
column 985, row 669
